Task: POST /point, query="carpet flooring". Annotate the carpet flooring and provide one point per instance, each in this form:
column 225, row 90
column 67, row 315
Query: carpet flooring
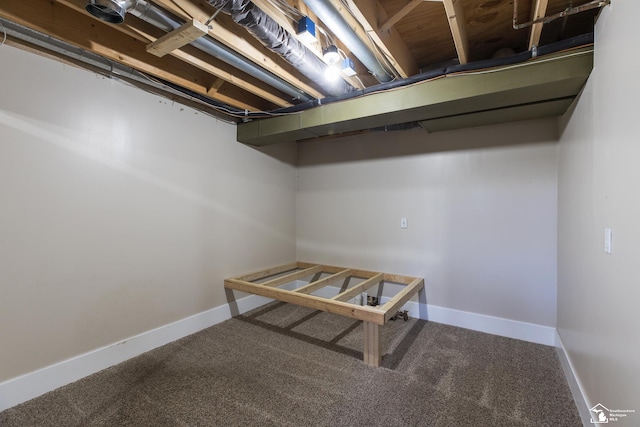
column 284, row 365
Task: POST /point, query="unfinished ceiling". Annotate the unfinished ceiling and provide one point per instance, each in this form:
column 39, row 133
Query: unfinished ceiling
column 249, row 60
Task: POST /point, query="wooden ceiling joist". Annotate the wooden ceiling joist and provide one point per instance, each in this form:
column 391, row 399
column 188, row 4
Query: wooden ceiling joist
column 80, row 30
column 455, row 15
column 367, row 15
column 215, row 87
column 220, row 30
column 145, row 33
column 191, row 56
column 391, row 21
column 539, row 10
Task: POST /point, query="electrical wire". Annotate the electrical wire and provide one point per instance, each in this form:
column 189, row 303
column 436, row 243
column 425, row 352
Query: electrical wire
column 227, row 110
column 521, row 64
column 208, row 21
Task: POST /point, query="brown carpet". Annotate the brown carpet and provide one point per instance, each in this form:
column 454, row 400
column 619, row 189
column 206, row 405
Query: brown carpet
column 284, row 365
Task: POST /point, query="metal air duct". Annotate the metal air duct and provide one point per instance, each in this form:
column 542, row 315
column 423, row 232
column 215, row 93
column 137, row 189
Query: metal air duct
column 324, row 10
column 278, row 40
column 108, row 10
column 112, row 11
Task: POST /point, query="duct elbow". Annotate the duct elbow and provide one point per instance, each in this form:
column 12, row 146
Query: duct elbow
column 112, row 11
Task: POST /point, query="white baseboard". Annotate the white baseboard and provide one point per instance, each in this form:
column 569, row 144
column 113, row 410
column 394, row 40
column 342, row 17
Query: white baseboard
column 577, row 391
column 531, row 332
column 34, row 384
column 28, row 386
column 478, row 322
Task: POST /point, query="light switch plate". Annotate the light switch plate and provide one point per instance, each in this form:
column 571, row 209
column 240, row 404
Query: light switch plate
column 403, row 223
column 607, row 240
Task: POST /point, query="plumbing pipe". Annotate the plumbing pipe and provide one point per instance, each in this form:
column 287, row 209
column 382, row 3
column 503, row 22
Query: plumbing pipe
column 546, row 19
column 109, row 68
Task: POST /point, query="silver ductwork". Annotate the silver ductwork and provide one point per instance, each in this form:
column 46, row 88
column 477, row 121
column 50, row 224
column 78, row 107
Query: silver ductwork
column 332, row 18
column 278, row 40
column 245, row 13
column 112, row 11
column 165, row 21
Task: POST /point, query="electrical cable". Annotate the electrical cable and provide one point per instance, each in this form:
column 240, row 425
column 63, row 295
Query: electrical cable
column 208, row 21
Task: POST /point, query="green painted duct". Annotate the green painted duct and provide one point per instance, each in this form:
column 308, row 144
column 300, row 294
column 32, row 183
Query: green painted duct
column 540, row 87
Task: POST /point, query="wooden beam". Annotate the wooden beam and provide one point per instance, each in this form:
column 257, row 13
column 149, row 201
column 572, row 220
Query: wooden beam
column 372, row 354
column 539, row 10
column 335, row 269
column 391, row 21
column 257, row 275
column 364, row 313
column 192, row 56
column 360, row 287
column 455, row 15
column 144, row 32
column 221, row 30
column 82, row 30
column 394, row 304
column 367, row 14
column 215, row 87
column 293, row 276
column 313, row 286
column 182, row 36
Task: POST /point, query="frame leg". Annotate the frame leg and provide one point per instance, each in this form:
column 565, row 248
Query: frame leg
column 372, row 352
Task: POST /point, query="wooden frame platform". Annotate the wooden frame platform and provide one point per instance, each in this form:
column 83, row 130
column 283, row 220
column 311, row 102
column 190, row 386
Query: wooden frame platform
column 266, row 283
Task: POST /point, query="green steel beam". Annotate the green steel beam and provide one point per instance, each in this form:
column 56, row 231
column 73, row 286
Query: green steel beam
column 536, row 88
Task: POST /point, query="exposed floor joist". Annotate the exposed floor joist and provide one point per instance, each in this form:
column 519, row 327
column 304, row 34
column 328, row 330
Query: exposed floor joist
column 368, row 13
column 455, row 15
column 240, row 78
column 539, row 10
column 82, row 31
column 222, row 32
column 218, row 69
column 391, row 21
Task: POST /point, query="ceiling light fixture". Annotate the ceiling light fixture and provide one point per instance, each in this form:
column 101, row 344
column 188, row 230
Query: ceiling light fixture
column 331, row 55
